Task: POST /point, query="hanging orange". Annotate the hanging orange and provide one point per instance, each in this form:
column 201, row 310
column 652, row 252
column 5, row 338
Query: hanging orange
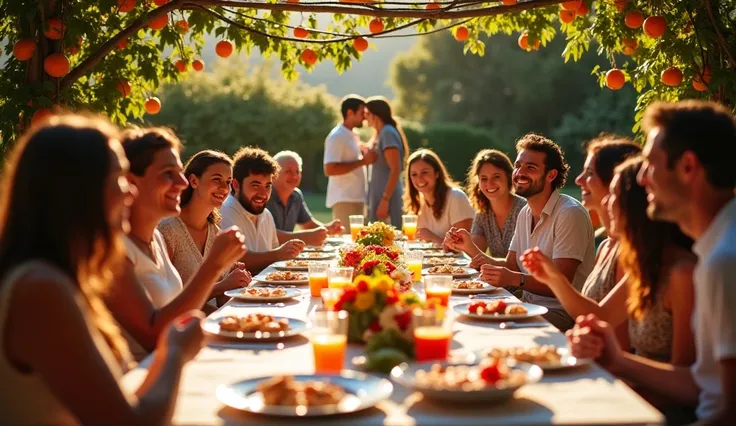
column 583, row 9
column 630, row 45
column 572, row 6
column 160, row 3
column 524, row 42
column 375, row 26
column 671, row 76
column 615, row 79
column 74, row 48
column 126, row 6
column 462, row 33
column 159, row 23
column 360, row 44
column 198, row 65
column 633, row 19
column 300, row 32
column 122, row 44
column 567, row 16
column 224, row 48
column 432, row 6
column 655, row 26
column 124, row 88
column 54, row 29
column 56, row 65
column 508, row 2
column 309, row 57
column 181, row 65
column 701, row 83
column 23, row 50
column 153, row 105
column 620, row 4
column 183, row 26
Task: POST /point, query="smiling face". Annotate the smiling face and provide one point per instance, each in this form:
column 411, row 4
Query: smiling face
column 665, row 194
column 529, row 176
column 593, row 188
column 423, row 176
column 372, row 120
column 290, row 176
column 493, row 182
column 254, row 193
column 160, row 188
column 214, row 185
column 354, row 119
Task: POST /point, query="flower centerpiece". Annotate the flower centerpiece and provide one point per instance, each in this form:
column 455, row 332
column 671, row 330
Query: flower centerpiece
column 370, row 260
column 377, row 233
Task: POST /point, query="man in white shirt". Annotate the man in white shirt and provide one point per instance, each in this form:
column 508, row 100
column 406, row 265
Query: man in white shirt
column 345, row 161
column 690, row 178
column 245, row 207
column 556, row 223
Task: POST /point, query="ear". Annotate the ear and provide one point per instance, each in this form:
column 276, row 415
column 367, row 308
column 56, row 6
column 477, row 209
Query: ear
column 236, row 186
column 193, row 181
column 551, row 175
column 687, row 166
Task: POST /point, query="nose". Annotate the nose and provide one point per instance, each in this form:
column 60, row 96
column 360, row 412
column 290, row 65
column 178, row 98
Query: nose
column 580, row 179
column 180, row 180
column 642, row 176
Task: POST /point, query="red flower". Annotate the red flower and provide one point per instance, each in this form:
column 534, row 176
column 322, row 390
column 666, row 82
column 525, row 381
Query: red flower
column 352, row 258
column 389, row 267
column 391, row 297
column 403, row 320
column 362, row 286
column 338, row 306
column 369, row 265
column 375, row 326
column 349, row 295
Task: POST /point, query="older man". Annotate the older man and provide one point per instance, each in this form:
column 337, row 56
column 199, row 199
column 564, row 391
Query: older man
column 288, row 207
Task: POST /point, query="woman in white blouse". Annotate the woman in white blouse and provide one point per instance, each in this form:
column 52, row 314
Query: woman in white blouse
column 435, row 198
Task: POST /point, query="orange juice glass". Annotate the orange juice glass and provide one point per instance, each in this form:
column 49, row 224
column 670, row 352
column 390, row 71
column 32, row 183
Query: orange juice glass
column 356, row 225
column 414, row 260
column 339, row 277
column 432, row 335
column 330, row 296
column 317, row 278
column 439, row 287
column 409, row 226
column 329, row 337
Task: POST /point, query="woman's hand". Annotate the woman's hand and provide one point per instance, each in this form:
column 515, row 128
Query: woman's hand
column 228, row 248
column 427, row 235
column 184, row 335
column 382, row 209
column 540, row 266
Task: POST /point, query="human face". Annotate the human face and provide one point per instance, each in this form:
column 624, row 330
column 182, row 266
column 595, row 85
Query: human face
column 160, row 188
column 255, row 192
column 290, row 176
column 665, row 194
column 493, row 182
column 372, row 120
column 214, row 184
column 529, row 177
column 423, row 176
column 593, row 188
column 119, row 195
column 613, row 207
column 355, row 118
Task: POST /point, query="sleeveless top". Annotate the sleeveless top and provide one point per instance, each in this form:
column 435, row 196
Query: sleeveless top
column 602, row 278
column 651, row 337
column 185, row 256
column 24, row 397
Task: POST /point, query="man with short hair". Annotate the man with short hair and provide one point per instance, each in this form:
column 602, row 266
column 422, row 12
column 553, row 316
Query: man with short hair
column 689, row 176
column 345, row 161
column 288, row 208
column 245, row 207
column 556, row 223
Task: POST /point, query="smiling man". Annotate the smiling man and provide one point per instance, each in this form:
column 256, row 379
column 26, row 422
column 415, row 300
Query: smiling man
column 556, row 223
column 288, row 208
column 253, row 174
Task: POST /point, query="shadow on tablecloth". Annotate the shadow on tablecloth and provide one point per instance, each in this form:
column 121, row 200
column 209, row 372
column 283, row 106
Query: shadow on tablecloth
column 231, row 416
column 216, row 343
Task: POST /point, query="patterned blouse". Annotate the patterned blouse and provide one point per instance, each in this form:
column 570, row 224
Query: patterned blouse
column 186, row 257
column 499, row 240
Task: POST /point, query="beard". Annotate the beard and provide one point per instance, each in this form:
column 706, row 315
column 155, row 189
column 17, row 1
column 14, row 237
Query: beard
column 534, row 188
column 248, row 205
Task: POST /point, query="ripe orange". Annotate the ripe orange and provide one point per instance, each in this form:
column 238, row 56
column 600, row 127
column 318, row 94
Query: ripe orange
column 54, row 29
column 126, row 6
column 630, row 45
column 198, row 65
column 292, row 1
column 224, row 48
column 524, row 42
column 56, row 65
column 583, row 9
column 183, row 26
column 701, row 83
column 508, row 2
column 159, row 23
column 300, row 32
column 620, row 4
column 634, row 19
column 160, row 3
column 655, row 26
column 671, row 76
column 432, row 6
column 23, row 50
column 153, row 105
column 375, row 26
column 124, row 88
column 309, row 57
column 181, row 65
column 360, row 44
column 615, row 79
column 462, row 33
column 74, row 48
column 122, row 44
column 572, row 6
column 567, row 16
column 40, row 115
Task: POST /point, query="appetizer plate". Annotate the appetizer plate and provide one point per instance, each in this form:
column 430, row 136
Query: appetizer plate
column 485, row 287
column 211, row 325
column 264, row 279
column 566, row 361
column 457, row 261
column 239, row 293
column 316, row 255
column 467, row 272
column 532, row 311
column 283, row 265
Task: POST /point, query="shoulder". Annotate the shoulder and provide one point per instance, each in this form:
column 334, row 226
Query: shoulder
column 168, row 226
column 519, row 202
column 569, row 208
column 298, row 194
column 42, row 281
column 457, row 194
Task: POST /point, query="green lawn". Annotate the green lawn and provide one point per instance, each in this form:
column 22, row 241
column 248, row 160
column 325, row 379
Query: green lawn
column 316, row 203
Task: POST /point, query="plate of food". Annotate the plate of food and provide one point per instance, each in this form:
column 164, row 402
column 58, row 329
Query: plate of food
column 455, row 271
column 499, row 310
column 471, row 287
column 439, row 253
column 488, row 380
column 547, row 357
column 306, row 395
column 256, row 326
column 335, row 241
column 441, row 260
column 413, row 245
column 260, row 294
column 318, row 249
column 295, row 265
column 283, row 277
column 316, row 255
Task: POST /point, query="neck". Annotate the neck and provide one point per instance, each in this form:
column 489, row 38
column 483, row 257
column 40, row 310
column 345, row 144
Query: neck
column 704, row 209
column 501, row 206
column 142, row 226
column 429, row 198
column 345, row 123
column 195, row 214
column 538, row 201
column 379, row 126
column 283, row 193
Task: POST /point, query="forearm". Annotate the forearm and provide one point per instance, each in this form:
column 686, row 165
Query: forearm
column 314, row 223
column 393, row 180
column 574, row 303
column 307, row 235
column 157, row 395
column 671, row 381
column 480, row 245
column 337, row 169
column 257, row 261
column 532, row 285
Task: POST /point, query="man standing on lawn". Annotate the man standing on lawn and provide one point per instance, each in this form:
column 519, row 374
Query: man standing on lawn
column 345, row 161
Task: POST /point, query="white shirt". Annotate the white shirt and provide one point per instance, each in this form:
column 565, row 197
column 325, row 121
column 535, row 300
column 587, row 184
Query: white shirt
column 259, row 230
column 564, row 231
column 457, row 208
column 343, row 146
column 159, row 279
column 714, row 316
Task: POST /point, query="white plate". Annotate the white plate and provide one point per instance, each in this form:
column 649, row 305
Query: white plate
column 422, row 246
column 532, row 311
column 281, row 265
column 438, row 253
column 450, row 261
column 567, row 361
column 467, row 274
column 335, row 241
column 238, row 294
column 404, row 375
column 211, row 325
column 316, row 255
column 319, row 249
column 362, row 391
column 262, row 278
column 487, row 288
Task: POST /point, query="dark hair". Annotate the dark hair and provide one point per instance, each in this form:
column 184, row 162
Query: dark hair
column 486, row 156
column 141, row 145
column 444, row 182
column 608, row 151
column 708, row 129
column 379, row 106
column 64, row 222
column 250, row 160
column 351, row 103
column 643, row 241
column 196, row 166
column 554, row 159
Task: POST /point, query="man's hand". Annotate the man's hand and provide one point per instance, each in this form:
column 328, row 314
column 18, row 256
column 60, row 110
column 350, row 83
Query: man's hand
column 595, row 339
column 499, row 276
column 479, row 260
column 370, row 156
column 335, row 227
column 290, row 249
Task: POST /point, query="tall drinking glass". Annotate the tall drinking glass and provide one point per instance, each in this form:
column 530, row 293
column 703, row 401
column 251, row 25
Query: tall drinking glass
column 438, row 287
column 432, row 335
column 339, row 277
column 356, row 225
column 409, row 226
column 317, row 278
column 414, row 260
column 329, row 337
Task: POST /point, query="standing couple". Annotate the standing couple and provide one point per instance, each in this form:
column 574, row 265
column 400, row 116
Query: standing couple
column 350, row 188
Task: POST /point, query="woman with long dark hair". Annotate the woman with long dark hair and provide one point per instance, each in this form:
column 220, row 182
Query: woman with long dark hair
column 385, row 189
column 438, row 201
column 656, row 293
column 63, row 214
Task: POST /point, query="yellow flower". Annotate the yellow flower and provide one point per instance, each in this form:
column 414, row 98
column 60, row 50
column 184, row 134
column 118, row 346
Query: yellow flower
column 364, row 301
column 382, row 283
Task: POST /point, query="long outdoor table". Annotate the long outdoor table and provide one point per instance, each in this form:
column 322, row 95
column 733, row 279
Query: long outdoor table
column 584, row 396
